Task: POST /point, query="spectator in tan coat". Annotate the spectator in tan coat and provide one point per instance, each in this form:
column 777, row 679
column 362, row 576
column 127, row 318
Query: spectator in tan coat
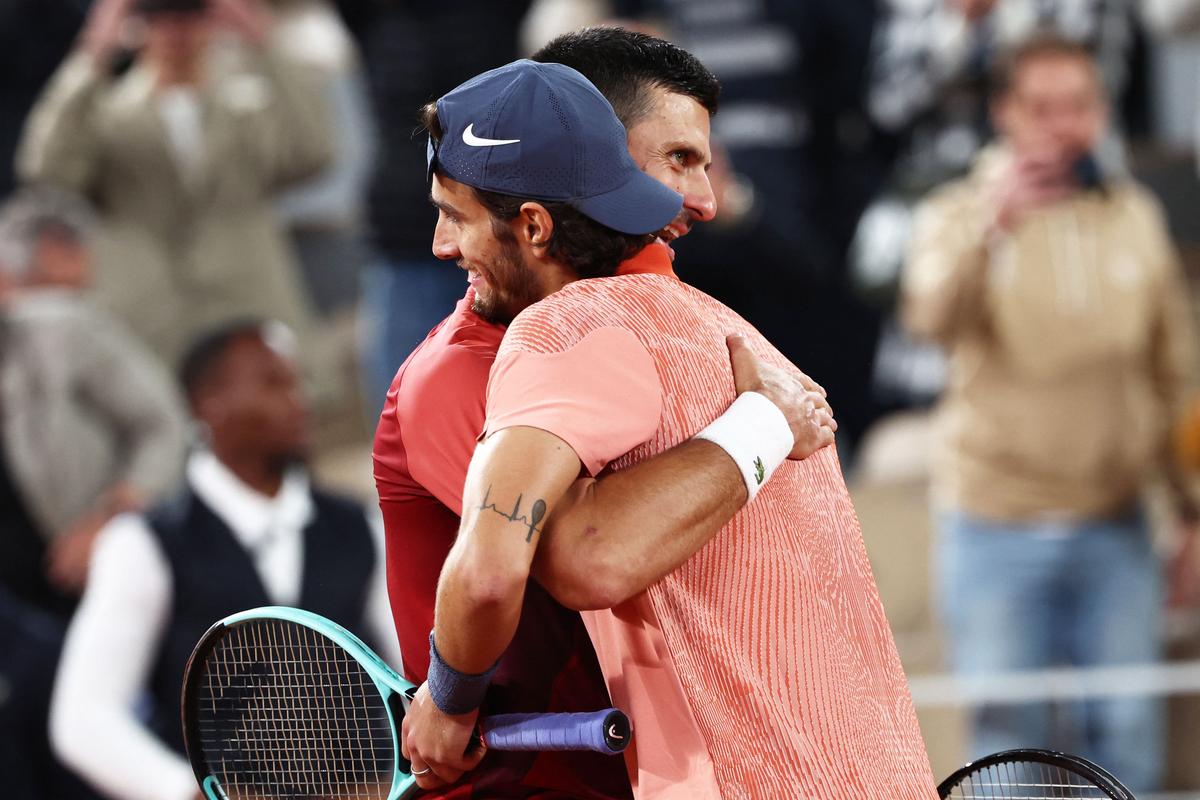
column 1056, row 291
column 182, row 155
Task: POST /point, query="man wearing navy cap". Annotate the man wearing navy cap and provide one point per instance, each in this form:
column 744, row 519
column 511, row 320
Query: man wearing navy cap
column 535, row 190
column 435, row 409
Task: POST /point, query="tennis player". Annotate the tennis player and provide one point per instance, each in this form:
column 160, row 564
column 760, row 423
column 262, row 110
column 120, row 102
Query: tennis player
column 761, row 667
column 435, row 410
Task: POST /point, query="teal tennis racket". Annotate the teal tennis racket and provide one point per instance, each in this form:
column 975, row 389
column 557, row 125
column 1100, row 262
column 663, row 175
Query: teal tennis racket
column 282, row 704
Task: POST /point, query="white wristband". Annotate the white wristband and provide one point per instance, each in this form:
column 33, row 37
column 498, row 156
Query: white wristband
column 755, row 434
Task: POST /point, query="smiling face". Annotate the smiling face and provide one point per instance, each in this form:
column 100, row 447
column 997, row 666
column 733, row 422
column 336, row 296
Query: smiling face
column 670, row 143
column 503, row 281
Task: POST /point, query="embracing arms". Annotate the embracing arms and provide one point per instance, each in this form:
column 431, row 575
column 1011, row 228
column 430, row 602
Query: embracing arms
column 603, row 540
column 612, row 537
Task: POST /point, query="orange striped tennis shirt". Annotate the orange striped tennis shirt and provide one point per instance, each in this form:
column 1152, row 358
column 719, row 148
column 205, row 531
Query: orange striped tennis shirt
column 763, row 667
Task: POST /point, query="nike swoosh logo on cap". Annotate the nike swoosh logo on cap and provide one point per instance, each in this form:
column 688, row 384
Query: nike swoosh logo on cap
column 474, row 141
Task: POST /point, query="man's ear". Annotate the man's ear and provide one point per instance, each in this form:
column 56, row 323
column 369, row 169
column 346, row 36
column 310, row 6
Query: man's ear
column 534, row 225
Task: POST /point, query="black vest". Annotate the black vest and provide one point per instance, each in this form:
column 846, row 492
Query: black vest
column 214, row 577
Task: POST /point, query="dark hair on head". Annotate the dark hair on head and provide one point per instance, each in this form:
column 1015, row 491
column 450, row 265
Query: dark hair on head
column 1040, row 45
column 624, row 64
column 203, row 358
column 590, row 249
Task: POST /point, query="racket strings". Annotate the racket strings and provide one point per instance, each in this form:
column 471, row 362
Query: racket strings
column 1026, row 781
column 283, row 712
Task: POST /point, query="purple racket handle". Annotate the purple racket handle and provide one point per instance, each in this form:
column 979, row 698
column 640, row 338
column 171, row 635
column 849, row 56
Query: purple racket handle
column 605, row 731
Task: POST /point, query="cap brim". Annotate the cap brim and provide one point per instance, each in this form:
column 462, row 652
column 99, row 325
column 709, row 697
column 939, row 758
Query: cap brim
column 641, row 205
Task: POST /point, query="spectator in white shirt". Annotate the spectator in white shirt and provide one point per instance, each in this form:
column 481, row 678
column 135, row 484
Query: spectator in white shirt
column 245, row 530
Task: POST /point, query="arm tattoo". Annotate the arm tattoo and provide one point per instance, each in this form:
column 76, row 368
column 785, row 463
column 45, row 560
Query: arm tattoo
column 530, row 522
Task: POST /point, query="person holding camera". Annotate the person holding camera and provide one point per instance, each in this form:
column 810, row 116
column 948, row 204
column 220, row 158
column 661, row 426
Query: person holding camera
column 182, row 121
column 1057, row 293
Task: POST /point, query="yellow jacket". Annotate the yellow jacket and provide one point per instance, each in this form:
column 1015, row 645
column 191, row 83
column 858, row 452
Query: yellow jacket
column 1070, row 343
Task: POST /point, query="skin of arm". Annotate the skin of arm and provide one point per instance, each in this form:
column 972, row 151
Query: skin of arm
column 637, row 521
column 611, row 538
column 616, row 536
column 516, row 477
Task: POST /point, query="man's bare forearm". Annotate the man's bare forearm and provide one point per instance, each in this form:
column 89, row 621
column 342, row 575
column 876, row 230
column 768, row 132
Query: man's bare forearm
column 485, row 585
column 612, row 538
column 515, row 479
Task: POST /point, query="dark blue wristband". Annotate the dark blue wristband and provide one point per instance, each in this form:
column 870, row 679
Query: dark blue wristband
column 454, row 692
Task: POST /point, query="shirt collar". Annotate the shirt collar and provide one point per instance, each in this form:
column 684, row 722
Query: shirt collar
column 653, row 259
column 250, row 515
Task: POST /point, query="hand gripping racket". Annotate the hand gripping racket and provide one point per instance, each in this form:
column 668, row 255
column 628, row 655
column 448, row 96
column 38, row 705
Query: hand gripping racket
column 282, row 703
column 1032, row 775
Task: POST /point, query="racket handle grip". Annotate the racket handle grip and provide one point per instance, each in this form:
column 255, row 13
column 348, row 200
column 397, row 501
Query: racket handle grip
column 605, row 731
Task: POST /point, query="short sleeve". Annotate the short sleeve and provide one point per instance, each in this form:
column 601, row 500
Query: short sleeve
column 441, row 413
column 602, row 396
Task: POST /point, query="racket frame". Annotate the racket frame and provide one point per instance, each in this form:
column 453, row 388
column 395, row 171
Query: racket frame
column 1102, row 778
column 395, row 691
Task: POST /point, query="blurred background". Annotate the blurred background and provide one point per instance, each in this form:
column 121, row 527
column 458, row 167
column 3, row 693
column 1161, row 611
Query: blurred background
column 975, row 222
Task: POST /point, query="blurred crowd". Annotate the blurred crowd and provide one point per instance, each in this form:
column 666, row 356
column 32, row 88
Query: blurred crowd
column 929, row 204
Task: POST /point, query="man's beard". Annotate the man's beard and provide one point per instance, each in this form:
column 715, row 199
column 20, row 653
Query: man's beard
column 513, row 284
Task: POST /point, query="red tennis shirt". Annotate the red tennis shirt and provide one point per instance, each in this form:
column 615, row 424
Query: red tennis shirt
column 423, row 445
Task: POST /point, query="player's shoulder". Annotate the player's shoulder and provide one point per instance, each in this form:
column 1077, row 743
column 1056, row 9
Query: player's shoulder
column 452, row 361
column 461, row 350
column 579, row 309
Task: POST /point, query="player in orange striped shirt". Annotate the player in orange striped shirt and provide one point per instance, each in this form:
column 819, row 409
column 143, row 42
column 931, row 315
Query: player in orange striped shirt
column 763, row 666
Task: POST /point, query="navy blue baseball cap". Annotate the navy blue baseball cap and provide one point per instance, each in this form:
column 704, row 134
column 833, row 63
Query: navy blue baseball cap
column 544, row 132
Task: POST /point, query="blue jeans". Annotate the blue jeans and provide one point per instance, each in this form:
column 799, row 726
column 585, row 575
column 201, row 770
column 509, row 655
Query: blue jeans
column 1028, row 596
column 401, row 303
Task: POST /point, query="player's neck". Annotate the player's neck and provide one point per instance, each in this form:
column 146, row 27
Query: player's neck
column 556, row 278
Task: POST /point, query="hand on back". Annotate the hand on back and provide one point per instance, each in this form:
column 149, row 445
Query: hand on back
column 799, row 397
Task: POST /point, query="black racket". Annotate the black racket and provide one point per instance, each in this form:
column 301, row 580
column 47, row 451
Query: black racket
column 1032, row 775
